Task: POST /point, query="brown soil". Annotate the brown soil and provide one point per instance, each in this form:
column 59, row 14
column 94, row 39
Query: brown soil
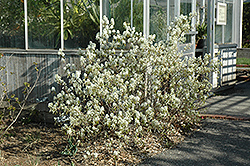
column 33, row 144
column 38, row 144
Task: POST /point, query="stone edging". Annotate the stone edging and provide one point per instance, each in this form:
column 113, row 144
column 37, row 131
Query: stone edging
column 224, row 117
column 242, row 65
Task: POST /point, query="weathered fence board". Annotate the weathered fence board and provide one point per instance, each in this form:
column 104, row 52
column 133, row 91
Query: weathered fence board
column 21, row 68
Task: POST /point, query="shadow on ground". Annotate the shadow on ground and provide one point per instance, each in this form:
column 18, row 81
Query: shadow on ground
column 232, row 102
column 219, row 142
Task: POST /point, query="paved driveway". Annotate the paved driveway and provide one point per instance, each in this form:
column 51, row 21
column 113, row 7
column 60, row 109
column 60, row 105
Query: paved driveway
column 220, row 141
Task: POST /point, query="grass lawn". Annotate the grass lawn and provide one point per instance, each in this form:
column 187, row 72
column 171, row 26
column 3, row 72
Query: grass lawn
column 241, row 61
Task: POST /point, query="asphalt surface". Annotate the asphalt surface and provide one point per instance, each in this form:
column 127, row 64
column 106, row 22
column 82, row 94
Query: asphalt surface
column 219, row 142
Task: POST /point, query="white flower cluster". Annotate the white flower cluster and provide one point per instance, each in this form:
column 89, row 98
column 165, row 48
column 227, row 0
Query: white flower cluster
column 131, row 83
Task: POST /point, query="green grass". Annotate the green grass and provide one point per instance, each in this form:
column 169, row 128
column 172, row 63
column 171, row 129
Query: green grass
column 243, row 61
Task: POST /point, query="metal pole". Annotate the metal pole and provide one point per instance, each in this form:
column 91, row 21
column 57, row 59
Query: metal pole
column 168, row 13
column 131, row 13
column 203, row 11
column 168, row 17
column 26, row 25
column 211, row 36
column 193, row 29
column 101, row 8
column 177, row 8
column 223, row 30
column 62, row 35
column 146, row 18
column 211, row 27
column 241, row 17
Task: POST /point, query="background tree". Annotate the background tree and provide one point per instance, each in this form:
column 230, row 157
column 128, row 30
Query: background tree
column 81, row 23
column 11, row 23
column 246, row 25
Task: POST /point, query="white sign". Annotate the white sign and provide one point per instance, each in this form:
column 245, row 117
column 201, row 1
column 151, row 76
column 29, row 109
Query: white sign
column 221, row 14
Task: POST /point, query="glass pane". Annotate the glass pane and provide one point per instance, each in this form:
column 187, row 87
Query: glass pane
column 138, row 15
column 186, row 7
column 158, row 19
column 218, row 33
column 81, row 22
column 44, row 24
column 200, row 9
column 171, row 10
column 188, row 38
column 11, row 24
column 120, row 10
column 228, row 27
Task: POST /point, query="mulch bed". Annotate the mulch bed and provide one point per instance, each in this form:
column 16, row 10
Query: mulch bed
column 37, row 144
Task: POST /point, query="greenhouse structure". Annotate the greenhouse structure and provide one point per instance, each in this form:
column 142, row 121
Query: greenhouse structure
column 33, row 31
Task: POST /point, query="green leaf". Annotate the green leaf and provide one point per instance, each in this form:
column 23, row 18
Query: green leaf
column 26, row 84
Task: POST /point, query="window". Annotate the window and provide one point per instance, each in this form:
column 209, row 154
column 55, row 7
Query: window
column 130, row 11
column 185, row 9
column 71, row 24
column 44, row 24
column 229, row 26
column 159, row 19
column 162, row 12
column 224, row 33
column 11, row 24
column 80, row 20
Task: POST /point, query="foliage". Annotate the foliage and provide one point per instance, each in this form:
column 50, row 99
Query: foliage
column 120, row 10
column 149, row 88
column 241, row 61
column 159, row 25
column 245, row 25
column 71, row 149
column 12, row 24
column 81, row 21
column 202, row 31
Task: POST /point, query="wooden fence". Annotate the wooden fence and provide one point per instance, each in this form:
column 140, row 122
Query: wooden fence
column 21, row 68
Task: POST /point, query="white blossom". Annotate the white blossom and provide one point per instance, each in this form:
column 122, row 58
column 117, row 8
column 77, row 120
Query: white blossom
column 115, row 153
column 137, row 89
column 61, row 53
column 53, row 89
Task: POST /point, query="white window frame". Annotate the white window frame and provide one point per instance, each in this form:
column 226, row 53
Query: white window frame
column 233, row 21
column 26, row 25
column 26, row 30
column 146, row 19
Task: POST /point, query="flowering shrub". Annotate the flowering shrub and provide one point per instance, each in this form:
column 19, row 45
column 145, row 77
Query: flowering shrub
column 132, row 85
